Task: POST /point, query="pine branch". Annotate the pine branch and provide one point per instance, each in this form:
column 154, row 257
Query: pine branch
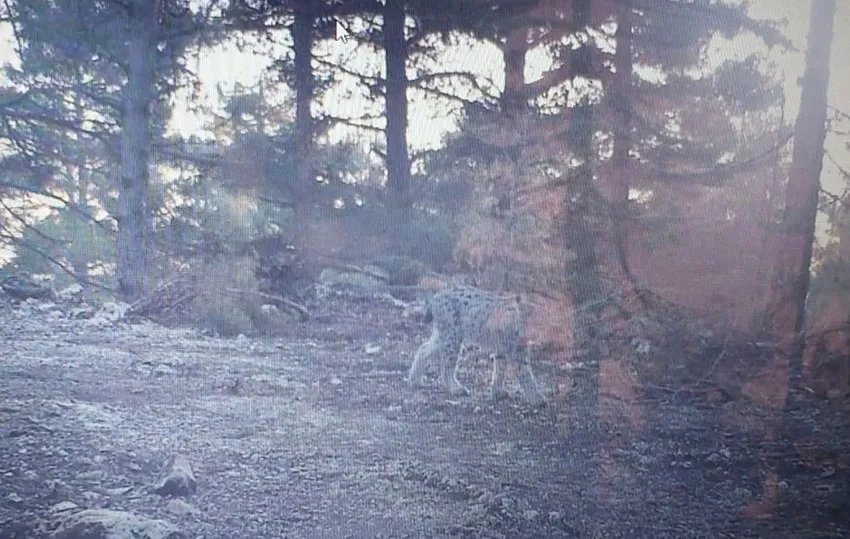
column 68, row 204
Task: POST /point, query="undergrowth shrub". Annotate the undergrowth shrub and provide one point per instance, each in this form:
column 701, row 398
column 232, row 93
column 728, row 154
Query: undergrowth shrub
column 228, row 301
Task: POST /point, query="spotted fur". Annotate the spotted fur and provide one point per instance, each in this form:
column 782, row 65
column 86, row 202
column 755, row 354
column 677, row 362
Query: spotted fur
column 464, row 315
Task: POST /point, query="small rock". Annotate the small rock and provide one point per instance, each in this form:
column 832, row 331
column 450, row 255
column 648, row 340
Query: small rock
column 111, row 312
column 393, row 412
column 372, row 349
column 180, row 508
column 70, row 293
column 530, row 515
column 91, row 475
column 27, row 288
column 179, row 480
column 106, row 523
column 335, row 381
column 14, row 499
column 162, row 370
column 45, row 307
column 59, row 490
column 487, row 499
column 268, row 309
column 81, row 313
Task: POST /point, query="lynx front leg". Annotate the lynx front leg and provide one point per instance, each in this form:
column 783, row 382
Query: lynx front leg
column 497, row 384
column 420, row 359
column 448, row 373
column 529, row 386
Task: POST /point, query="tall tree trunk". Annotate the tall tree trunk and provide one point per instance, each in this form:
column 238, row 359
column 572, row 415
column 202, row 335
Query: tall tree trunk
column 615, row 178
column 616, row 378
column 302, row 38
column 581, row 232
column 132, row 260
column 791, row 279
column 622, row 92
column 619, row 190
column 398, row 160
column 513, row 53
column 790, row 283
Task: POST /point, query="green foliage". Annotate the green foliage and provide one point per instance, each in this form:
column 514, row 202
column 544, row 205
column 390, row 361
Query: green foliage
column 447, row 187
column 427, row 238
column 733, row 83
column 65, row 128
column 81, row 246
column 250, row 195
column 228, row 301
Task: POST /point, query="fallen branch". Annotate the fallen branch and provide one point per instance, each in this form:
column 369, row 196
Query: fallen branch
column 305, row 314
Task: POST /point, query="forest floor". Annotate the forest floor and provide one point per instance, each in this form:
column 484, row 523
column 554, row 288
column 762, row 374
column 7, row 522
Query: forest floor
column 317, row 435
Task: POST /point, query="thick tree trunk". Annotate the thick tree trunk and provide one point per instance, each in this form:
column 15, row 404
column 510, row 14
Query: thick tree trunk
column 623, row 165
column 132, row 260
column 619, row 188
column 513, row 53
column 616, row 183
column 779, row 384
column 582, row 234
column 622, row 92
column 302, row 38
column 617, row 379
column 398, row 160
column 791, row 279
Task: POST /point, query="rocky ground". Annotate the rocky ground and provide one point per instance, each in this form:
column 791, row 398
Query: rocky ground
column 316, row 435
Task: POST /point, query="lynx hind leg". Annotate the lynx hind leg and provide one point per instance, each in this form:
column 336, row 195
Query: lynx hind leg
column 420, row 359
column 449, row 355
column 497, row 383
column 528, row 384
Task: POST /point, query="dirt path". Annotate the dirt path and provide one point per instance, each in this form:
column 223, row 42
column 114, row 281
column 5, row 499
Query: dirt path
column 317, row 436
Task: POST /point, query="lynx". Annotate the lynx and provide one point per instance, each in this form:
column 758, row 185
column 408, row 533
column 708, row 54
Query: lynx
column 463, row 315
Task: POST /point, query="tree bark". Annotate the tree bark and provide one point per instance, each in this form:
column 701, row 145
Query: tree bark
column 779, row 383
column 398, row 160
column 621, row 101
column 132, row 259
column 790, row 282
column 617, row 182
column 582, row 234
column 513, row 53
column 302, row 38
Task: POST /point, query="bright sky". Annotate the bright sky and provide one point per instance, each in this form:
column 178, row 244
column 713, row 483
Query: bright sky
column 428, row 122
